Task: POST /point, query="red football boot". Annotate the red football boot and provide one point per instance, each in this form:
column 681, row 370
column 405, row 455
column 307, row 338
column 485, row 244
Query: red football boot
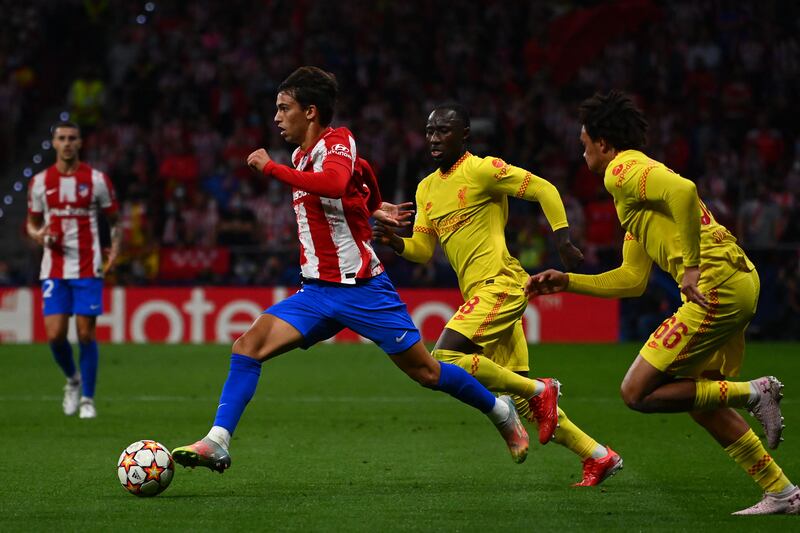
column 595, row 471
column 544, row 409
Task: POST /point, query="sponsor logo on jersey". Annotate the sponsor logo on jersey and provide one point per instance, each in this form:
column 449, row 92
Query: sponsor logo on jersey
column 296, row 195
column 652, row 344
column 617, row 170
column 340, row 149
column 498, row 163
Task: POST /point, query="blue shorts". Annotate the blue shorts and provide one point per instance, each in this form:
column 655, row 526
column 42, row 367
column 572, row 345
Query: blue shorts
column 73, row 296
column 372, row 309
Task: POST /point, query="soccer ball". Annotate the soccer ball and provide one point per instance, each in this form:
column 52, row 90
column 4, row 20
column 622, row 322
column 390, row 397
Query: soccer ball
column 145, row 468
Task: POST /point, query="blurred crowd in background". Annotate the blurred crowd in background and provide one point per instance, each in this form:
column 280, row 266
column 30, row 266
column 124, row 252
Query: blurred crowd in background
column 172, row 96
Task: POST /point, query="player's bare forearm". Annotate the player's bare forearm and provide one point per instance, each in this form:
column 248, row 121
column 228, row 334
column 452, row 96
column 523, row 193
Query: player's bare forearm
column 116, row 243
column 36, row 229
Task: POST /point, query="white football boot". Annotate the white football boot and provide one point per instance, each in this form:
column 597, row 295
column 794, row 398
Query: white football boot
column 72, row 395
column 87, row 409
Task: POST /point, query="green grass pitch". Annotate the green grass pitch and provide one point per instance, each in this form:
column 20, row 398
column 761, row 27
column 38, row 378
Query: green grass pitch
column 337, row 439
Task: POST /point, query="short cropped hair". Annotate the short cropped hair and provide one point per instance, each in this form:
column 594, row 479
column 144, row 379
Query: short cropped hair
column 615, row 118
column 460, row 111
column 313, row 86
column 64, row 124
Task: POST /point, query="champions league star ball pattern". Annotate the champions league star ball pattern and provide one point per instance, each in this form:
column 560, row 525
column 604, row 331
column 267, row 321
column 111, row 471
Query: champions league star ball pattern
column 145, row 468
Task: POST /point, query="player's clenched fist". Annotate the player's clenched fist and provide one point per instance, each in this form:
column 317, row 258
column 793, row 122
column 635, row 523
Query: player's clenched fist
column 547, row 282
column 258, row 159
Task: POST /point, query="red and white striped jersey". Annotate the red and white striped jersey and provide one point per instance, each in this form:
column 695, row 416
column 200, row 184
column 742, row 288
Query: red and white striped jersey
column 70, row 204
column 335, row 233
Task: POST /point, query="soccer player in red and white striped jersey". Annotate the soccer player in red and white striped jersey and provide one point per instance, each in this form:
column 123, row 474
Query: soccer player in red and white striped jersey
column 344, row 285
column 64, row 202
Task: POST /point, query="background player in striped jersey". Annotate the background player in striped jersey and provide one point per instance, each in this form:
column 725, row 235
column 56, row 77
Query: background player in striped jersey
column 63, row 205
column 464, row 205
column 684, row 364
column 334, row 195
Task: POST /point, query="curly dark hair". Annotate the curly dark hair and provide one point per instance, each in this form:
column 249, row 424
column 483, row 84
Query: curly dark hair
column 313, row 86
column 615, row 118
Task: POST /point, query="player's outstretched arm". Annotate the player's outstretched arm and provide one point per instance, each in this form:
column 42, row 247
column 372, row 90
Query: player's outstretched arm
column 629, row 279
column 547, row 282
column 330, row 183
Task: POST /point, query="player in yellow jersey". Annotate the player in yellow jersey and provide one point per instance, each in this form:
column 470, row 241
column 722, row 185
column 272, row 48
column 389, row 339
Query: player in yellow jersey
column 684, row 365
column 464, row 205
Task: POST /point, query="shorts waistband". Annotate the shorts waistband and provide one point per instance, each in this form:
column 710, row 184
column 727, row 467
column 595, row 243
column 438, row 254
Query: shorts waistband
column 315, row 281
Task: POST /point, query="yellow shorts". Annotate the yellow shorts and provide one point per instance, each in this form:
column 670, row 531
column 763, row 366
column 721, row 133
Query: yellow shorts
column 696, row 341
column 492, row 319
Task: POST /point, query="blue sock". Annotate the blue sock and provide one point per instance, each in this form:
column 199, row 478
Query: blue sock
column 459, row 384
column 89, row 360
column 62, row 353
column 238, row 391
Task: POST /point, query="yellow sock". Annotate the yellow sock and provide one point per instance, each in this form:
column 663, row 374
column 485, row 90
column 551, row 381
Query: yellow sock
column 523, row 407
column 714, row 394
column 572, row 437
column 750, row 454
column 567, row 433
column 491, row 375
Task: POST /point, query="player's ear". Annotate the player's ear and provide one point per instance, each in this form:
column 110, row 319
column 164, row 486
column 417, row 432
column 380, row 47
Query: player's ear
column 311, row 112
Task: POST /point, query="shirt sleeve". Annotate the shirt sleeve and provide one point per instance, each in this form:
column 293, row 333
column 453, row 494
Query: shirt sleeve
column 419, row 247
column 330, row 183
column 630, row 279
column 104, row 192
column 679, row 196
column 374, row 199
column 36, row 196
column 501, row 178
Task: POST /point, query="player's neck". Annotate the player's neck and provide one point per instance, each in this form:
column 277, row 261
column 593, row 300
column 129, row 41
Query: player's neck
column 447, row 166
column 68, row 167
column 313, row 133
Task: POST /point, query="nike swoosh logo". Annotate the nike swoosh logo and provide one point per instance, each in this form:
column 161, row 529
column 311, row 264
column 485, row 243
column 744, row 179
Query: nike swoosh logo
column 50, row 191
column 94, row 306
column 401, row 337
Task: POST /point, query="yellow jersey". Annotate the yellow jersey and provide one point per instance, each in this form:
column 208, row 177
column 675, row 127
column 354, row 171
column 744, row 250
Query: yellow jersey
column 466, row 209
column 666, row 223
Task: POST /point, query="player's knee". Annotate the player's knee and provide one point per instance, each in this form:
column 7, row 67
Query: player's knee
column 632, row 398
column 244, row 345
column 250, row 346
column 85, row 337
column 57, row 338
column 424, row 375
